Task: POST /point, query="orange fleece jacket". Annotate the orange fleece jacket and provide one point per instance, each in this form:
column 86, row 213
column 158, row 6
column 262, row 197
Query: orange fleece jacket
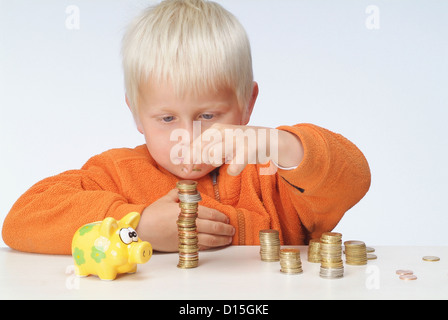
column 300, row 203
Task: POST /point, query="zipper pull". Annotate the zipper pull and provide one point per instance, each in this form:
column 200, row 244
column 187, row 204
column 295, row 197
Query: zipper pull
column 215, row 174
column 215, row 177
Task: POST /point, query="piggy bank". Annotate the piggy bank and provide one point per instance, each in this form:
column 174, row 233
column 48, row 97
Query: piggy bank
column 109, row 247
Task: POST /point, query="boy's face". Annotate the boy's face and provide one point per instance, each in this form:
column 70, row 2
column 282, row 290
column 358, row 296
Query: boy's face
column 161, row 112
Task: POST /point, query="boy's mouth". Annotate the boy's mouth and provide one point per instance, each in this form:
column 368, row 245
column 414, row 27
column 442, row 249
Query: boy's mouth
column 196, row 168
column 185, row 168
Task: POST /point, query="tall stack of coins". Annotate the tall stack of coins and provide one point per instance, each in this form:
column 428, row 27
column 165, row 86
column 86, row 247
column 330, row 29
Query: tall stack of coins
column 314, row 251
column 355, row 253
column 331, row 266
column 290, row 261
column 269, row 245
column 186, row 224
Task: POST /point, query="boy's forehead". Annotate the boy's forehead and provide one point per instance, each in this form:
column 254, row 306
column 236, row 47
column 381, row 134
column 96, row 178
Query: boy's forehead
column 156, row 90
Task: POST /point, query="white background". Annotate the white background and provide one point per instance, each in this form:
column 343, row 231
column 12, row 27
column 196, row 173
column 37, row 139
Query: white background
column 62, row 96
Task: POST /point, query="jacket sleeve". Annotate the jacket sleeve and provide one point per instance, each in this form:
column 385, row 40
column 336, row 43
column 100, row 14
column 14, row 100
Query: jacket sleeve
column 332, row 177
column 44, row 219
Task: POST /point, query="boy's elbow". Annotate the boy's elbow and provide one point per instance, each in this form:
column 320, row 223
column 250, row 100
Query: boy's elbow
column 361, row 181
column 10, row 233
column 365, row 177
column 18, row 234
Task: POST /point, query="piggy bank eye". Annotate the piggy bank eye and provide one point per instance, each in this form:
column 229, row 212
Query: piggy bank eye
column 124, row 236
column 127, row 235
column 133, row 234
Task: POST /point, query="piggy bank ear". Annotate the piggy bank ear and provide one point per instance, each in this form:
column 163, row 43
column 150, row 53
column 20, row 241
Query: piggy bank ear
column 131, row 219
column 108, row 227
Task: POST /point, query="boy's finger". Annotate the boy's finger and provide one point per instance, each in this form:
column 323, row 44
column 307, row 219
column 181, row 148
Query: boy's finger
column 212, row 214
column 172, row 195
column 235, row 169
column 207, row 241
column 215, row 228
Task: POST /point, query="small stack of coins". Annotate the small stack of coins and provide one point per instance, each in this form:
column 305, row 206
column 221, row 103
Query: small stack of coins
column 314, row 251
column 331, row 266
column 290, row 261
column 186, row 224
column 355, row 253
column 406, row 275
column 269, row 245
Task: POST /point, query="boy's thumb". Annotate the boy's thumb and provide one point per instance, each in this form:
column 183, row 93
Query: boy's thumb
column 172, row 195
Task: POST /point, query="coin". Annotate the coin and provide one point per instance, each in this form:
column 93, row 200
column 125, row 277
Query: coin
column 332, row 237
column 431, row 258
column 354, row 243
column 186, row 186
column 371, row 256
column 404, row 272
column 189, row 198
column 408, row 277
column 188, row 205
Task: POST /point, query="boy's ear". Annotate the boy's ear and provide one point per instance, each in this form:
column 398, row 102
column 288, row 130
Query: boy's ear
column 137, row 122
column 251, row 105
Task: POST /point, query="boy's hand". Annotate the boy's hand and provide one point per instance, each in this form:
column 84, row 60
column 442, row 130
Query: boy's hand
column 158, row 225
column 240, row 145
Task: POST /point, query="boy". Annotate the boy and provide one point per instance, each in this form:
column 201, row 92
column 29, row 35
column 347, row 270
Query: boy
column 188, row 70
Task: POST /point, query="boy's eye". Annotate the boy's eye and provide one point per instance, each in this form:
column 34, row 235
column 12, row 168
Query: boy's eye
column 168, row 119
column 206, row 116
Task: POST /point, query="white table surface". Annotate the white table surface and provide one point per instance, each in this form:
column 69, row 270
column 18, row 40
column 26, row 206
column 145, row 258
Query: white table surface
column 234, row 273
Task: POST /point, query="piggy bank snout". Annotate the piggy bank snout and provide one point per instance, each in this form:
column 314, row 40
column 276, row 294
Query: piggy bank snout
column 140, row 252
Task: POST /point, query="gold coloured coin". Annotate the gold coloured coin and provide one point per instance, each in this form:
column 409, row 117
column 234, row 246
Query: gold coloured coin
column 354, row 243
column 371, row 256
column 431, row 258
column 186, row 185
column 291, row 251
column 188, row 206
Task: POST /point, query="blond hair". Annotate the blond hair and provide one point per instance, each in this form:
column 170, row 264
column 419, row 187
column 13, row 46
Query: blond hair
column 193, row 44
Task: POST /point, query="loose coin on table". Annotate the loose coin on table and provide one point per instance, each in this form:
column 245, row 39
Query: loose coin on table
column 404, row 272
column 431, row 258
column 371, row 256
column 408, row 277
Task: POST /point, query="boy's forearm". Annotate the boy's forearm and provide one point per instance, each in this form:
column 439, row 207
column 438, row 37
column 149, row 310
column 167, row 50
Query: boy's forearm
column 290, row 149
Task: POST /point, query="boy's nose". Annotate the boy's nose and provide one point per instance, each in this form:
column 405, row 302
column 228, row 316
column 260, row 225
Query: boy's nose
column 193, row 128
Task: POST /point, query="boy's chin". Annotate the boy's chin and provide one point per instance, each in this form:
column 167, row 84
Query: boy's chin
column 197, row 173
